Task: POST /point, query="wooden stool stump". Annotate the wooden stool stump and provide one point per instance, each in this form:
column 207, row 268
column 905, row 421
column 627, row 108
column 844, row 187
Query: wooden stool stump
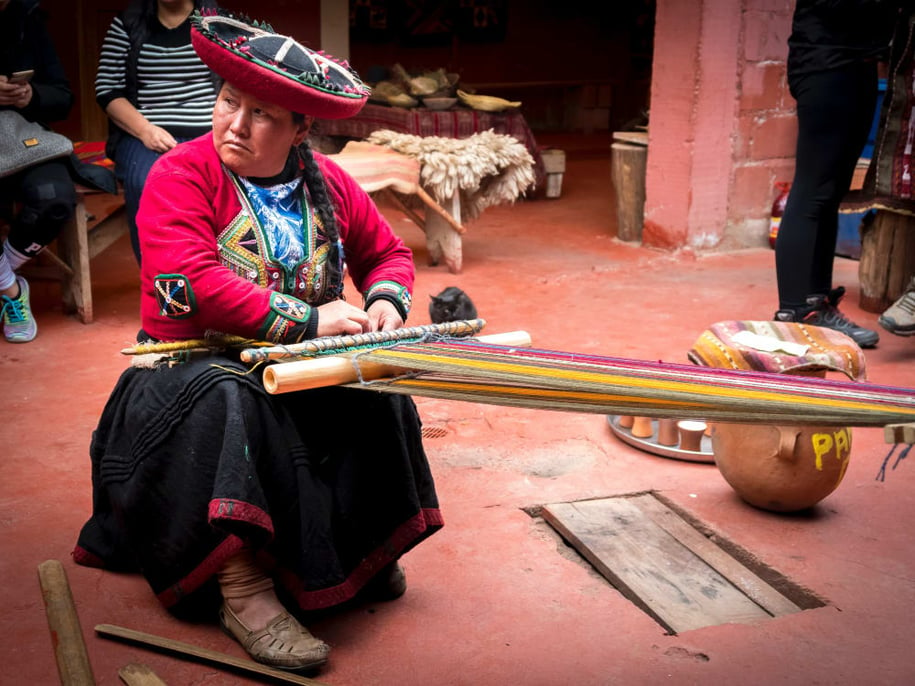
column 628, row 172
column 887, row 259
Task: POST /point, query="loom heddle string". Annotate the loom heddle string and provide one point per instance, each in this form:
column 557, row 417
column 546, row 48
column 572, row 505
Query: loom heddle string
column 427, row 337
column 881, row 473
column 904, row 453
column 237, row 372
column 335, row 345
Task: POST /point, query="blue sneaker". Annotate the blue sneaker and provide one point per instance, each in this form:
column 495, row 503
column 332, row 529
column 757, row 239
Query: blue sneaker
column 19, row 325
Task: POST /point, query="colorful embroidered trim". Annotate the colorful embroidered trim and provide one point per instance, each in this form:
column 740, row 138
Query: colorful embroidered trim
column 392, row 289
column 175, row 296
column 285, row 312
column 289, row 307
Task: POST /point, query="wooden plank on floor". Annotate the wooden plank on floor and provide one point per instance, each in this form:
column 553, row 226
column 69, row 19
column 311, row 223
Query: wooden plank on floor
column 652, row 567
column 732, row 569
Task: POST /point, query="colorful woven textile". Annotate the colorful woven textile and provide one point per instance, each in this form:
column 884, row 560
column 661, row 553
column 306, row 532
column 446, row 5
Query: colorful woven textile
column 554, row 380
column 888, row 181
column 376, row 167
column 92, row 152
column 769, row 346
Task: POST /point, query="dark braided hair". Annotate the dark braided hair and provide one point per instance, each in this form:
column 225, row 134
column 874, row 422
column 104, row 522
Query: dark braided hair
column 314, row 181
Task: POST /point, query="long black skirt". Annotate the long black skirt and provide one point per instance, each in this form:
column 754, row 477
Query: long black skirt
column 192, row 462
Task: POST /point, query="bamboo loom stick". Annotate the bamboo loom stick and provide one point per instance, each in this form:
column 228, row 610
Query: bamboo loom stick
column 202, row 654
column 334, row 370
column 316, row 346
column 66, row 635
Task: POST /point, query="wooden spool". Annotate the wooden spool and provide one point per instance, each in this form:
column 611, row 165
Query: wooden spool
column 628, row 168
column 887, row 259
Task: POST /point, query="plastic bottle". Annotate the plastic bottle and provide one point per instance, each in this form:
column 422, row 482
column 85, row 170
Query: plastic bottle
column 778, row 209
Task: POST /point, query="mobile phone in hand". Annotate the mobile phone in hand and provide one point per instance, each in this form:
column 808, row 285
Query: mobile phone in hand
column 19, row 77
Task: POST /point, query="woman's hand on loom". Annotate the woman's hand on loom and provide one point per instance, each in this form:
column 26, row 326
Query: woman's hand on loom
column 339, row 317
column 383, row 316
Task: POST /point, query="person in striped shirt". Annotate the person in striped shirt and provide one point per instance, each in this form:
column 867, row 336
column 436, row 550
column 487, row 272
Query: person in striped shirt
column 154, row 88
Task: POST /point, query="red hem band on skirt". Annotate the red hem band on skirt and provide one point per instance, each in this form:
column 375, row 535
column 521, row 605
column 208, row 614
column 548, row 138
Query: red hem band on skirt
column 206, row 569
column 81, row 556
column 239, row 511
column 403, row 538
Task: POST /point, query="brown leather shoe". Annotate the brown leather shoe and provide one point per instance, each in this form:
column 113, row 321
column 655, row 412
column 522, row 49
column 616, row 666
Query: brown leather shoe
column 283, row 643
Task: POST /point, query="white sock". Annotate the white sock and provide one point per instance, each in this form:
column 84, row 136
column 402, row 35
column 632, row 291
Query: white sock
column 16, row 258
column 7, row 277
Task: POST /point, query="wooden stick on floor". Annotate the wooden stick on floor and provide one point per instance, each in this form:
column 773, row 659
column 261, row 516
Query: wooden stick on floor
column 202, row 654
column 66, row 634
column 138, row 674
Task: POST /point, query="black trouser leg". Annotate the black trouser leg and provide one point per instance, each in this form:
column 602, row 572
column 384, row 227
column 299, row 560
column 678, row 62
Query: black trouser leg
column 835, row 111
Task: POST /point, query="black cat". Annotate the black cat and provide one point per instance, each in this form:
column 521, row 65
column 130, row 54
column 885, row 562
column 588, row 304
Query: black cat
column 451, row 305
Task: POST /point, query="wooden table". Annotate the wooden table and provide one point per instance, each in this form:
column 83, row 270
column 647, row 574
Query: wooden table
column 457, row 122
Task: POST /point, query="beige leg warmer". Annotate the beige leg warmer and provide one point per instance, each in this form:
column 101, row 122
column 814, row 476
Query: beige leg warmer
column 240, row 576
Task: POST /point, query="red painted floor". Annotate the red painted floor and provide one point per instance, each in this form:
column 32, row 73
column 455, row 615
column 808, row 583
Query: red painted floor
column 496, row 597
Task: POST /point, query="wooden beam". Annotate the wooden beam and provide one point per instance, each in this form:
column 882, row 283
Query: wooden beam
column 202, row 654
column 66, row 635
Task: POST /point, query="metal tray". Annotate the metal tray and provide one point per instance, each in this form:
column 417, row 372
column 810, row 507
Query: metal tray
column 650, row 444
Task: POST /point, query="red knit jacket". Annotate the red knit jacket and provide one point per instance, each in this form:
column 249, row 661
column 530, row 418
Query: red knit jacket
column 206, row 265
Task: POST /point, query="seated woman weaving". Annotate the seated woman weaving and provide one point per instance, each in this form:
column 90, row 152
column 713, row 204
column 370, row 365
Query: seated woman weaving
column 201, row 480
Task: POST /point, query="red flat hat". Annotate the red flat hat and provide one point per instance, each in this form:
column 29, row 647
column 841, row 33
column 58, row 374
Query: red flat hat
column 276, row 68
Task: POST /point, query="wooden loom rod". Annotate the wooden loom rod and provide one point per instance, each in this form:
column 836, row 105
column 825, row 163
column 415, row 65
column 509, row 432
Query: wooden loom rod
column 202, row 654
column 69, row 648
column 301, row 375
column 338, row 344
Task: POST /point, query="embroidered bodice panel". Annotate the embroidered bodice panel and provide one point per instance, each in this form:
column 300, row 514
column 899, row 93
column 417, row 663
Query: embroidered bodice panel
column 277, row 241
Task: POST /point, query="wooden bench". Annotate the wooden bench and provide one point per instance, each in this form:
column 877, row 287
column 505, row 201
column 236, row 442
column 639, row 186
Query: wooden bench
column 380, row 170
column 98, row 221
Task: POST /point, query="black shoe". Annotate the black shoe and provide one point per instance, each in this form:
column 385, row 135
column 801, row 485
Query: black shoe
column 389, row 584
column 823, row 310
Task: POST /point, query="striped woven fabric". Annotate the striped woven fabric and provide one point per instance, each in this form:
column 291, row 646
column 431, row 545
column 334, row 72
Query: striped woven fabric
column 759, row 346
column 552, row 380
column 376, row 167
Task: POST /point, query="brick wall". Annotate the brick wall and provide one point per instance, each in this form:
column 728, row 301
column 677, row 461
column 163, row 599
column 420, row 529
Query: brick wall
column 722, row 127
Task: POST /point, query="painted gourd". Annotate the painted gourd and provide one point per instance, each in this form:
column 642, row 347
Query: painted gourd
column 781, row 468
